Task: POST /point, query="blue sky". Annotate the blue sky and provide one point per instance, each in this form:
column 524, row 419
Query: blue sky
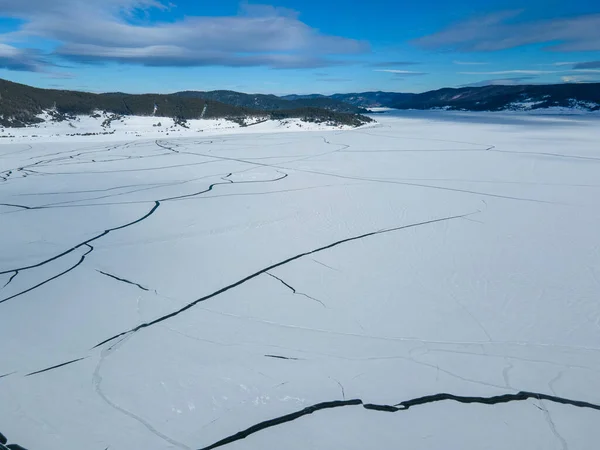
column 297, row 46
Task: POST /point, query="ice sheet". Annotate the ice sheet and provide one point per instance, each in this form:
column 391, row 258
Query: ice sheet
column 242, row 277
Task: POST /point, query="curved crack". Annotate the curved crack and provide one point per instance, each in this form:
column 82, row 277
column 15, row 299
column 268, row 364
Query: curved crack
column 281, row 420
column 97, row 382
column 11, row 278
column 552, row 426
column 4, row 445
column 226, row 181
column 403, row 406
column 81, row 260
column 376, row 180
column 72, row 249
column 341, row 387
column 156, row 205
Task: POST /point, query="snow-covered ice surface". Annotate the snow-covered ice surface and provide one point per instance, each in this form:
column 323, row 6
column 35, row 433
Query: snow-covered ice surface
column 246, row 277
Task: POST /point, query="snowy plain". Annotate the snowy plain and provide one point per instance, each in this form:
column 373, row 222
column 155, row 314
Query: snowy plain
column 181, row 289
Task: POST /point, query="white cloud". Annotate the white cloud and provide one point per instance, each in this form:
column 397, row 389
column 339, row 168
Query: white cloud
column 401, row 72
column 579, row 79
column 512, row 72
column 530, row 72
column 513, row 81
column 111, row 30
column 498, row 31
column 587, row 65
column 25, row 60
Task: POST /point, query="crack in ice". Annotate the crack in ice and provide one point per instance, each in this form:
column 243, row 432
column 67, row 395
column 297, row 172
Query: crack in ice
column 273, row 266
column 402, row 406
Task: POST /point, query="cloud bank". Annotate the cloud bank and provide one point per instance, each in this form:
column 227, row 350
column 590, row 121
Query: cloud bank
column 501, row 31
column 406, row 73
column 121, row 31
column 512, row 81
column 587, row 65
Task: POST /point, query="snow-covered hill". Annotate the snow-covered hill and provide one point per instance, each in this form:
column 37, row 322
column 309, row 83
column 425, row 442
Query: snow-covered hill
column 108, row 126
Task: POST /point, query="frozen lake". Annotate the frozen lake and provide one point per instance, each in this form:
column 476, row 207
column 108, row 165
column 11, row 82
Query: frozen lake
column 170, row 293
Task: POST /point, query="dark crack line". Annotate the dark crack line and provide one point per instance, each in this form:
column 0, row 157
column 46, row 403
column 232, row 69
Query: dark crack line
column 11, row 278
column 282, row 282
column 26, row 167
column 55, row 367
column 91, row 199
column 556, row 155
column 38, row 194
column 165, row 147
column 226, row 182
column 246, row 161
column 282, row 357
column 426, row 186
column 72, row 203
column 72, row 249
column 404, row 406
column 123, row 280
column 94, row 149
column 117, row 158
column 81, row 260
column 294, row 290
column 7, row 374
column 506, row 398
column 16, row 206
column 6, row 175
column 128, row 170
column 239, row 194
column 281, row 420
column 375, row 180
column 341, row 387
column 325, row 265
column 274, row 266
column 64, row 158
column 157, row 204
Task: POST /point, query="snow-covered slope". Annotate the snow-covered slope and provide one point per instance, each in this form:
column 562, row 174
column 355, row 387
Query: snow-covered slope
column 114, row 127
column 540, row 106
column 304, row 290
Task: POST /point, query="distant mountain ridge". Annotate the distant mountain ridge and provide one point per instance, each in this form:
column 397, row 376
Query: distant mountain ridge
column 584, row 96
column 486, row 98
column 22, row 105
column 266, row 102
